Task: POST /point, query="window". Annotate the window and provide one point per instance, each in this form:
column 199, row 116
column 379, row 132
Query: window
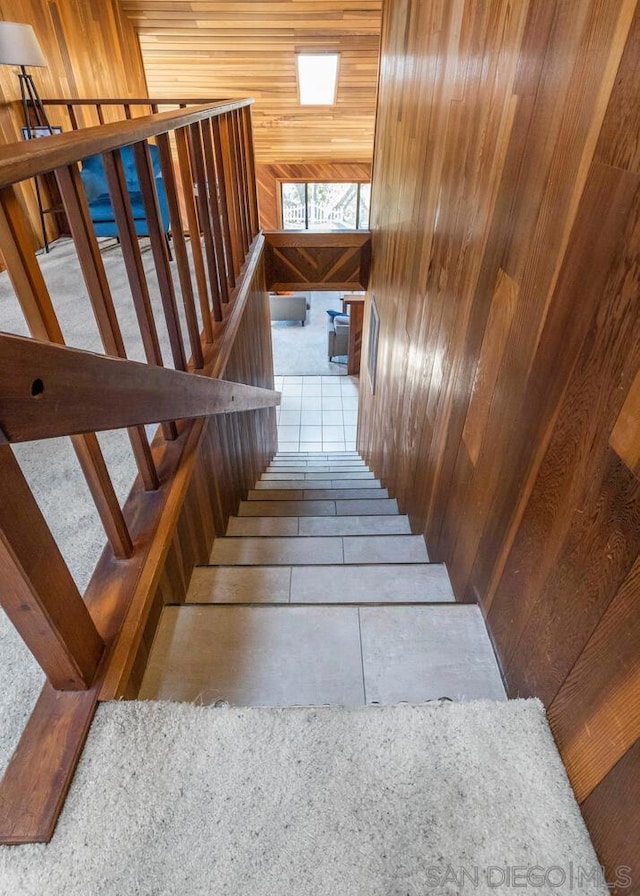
column 317, row 78
column 325, row 206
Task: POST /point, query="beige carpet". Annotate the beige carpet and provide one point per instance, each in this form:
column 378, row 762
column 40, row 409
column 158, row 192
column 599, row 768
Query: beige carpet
column 390, row 801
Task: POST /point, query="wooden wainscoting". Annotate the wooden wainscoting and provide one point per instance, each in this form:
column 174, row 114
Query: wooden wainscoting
column 338, row 259
column 506, row 240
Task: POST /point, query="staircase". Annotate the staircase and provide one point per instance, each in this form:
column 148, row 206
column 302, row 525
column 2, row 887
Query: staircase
column 320, row 594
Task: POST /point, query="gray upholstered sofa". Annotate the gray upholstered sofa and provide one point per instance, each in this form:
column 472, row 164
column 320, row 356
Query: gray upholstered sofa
column 292, row 307
column 338, row 336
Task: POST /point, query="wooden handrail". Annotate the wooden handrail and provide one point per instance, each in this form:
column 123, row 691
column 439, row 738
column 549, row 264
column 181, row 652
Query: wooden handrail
column 49, row 390
column 134, row 101
column 34, row 157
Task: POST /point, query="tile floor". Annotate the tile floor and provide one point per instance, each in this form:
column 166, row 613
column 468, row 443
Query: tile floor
column 317, row 413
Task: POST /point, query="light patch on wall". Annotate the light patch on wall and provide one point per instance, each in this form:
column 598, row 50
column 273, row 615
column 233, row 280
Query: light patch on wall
column 317, row 78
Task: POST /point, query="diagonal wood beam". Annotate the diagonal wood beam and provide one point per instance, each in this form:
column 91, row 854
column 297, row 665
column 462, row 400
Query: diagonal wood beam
column 49, row 390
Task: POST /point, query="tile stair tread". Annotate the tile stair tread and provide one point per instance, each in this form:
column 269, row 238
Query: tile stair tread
column 319, row 525
column 348, row 583
column 310, row 484
column 319, row 494
column 315, row 476
column 324, row 549
column 345, row 507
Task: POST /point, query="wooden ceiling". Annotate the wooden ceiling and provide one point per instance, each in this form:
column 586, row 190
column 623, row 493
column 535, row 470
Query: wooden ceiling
column 197, row 48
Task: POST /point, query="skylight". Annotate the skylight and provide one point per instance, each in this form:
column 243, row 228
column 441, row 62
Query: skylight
column 317, row 78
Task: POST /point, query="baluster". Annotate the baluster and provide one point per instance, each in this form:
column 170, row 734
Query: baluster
column 71, row 112
column 242, row 180
column 194, row 231
column 39, row 595
column 226, row 135
column 134, row 267
column 100, row 115
column 34, row 298
column 160, row 252
column 214, row 209
column 251, row 169
column 197, row 162
column 217, row 145
column 95, row 278
column 180, row 249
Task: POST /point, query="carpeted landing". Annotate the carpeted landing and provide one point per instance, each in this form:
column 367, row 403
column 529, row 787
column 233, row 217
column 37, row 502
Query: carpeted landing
column 389, row 801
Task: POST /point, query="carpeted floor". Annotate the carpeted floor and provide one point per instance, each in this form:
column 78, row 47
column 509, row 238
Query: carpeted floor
column 51, row 468
column 389, row 801
column 300, row 351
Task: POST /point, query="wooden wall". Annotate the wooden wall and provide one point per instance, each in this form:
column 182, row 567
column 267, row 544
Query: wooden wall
column 269, row 178
column 91, row 50
column 506, row 250
column 215, row 48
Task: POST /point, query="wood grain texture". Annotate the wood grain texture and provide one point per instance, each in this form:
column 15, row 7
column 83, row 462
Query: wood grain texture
column 596, row 714
column 612, row 816
column 249, row 48
column 318, row 260
column 625, row 435
column 65, row 30
column 506, row 240
column 269, row 178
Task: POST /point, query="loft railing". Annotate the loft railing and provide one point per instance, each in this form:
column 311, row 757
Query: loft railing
column 88, row 647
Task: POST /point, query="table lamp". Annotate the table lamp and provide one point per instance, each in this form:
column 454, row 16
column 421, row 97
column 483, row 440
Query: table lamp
column 19, row 46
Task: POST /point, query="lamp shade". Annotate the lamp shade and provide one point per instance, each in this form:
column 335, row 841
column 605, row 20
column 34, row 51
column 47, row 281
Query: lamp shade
column 19, row 45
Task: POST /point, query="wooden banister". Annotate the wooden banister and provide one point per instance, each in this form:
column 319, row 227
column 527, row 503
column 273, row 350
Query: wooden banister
column 202, row 466
column 39, row 156
column 49, row 390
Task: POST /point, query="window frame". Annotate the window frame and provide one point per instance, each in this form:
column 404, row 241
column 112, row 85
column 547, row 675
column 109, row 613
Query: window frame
column 306, row 181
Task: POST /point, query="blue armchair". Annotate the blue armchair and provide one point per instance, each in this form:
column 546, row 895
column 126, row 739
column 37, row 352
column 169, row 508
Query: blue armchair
column 100, row 208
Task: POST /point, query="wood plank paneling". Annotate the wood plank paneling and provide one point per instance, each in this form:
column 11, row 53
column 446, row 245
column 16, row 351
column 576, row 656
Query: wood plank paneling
column 270, row 177
column 611, row 813
column 91, row 50
column 318, row 260
column 506, row 242
column 248, row 48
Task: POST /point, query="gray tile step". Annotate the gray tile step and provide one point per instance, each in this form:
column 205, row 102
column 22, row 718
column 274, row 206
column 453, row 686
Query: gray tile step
column 352, row 507
column 422, row 653
column 320, row 525
column 374, row 583
column 310, row 484
column 315, row 476
column 288, row 656
column 317, row 494
column 308, row 550
column 318, row 468
column 256, row 656
column 317, row 454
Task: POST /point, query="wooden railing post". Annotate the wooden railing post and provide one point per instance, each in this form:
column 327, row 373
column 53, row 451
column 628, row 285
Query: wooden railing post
column 37, row 591
column 198, row 168
column 186, row 178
